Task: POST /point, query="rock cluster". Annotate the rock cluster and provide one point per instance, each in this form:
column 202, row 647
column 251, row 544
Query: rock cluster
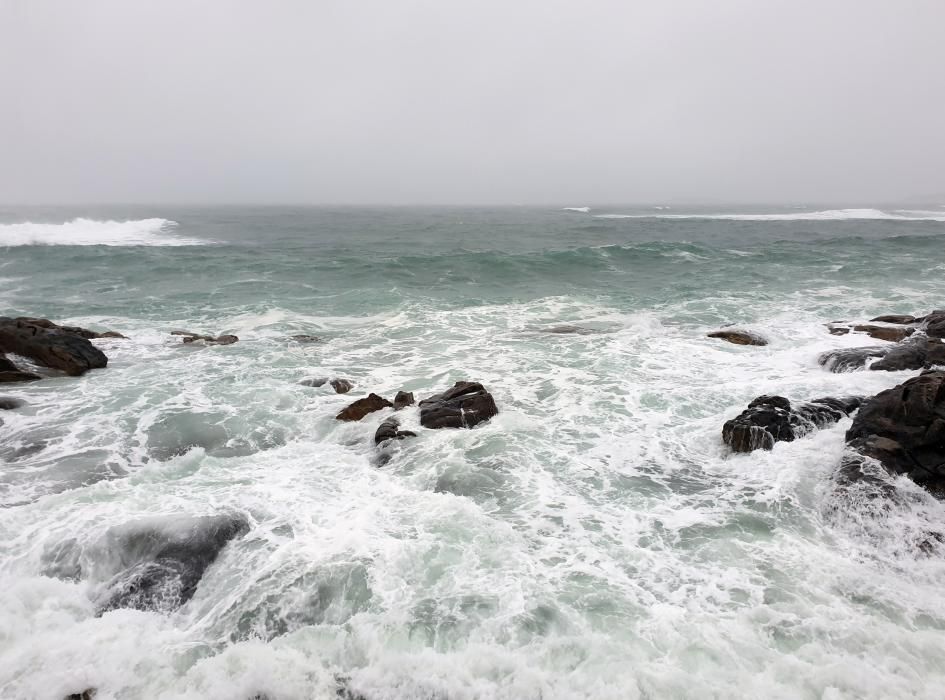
column 771, row 419
column 189, row 337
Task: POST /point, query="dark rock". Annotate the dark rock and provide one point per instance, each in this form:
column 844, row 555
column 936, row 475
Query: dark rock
column 50, row 347
column 320, row 381
column 837, row 330
column 465, row 405
column 894, row 318
column 849, row 359
column 68, row 330
column 917, row 353
column 739, row 337
column 934, row 324
column 162, row 562
column 9, row 372
column 403, row 399
column 189, row 337
column 361, row 407
column 771, row 419
column 341, row 386
column 8, row 403
column 305, row 339
column 87, row 694
column 389, row 430
column 904, row 429
column 893, row 334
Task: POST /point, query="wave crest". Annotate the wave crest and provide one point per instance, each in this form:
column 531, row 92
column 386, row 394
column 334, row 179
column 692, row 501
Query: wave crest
column 826, row 215
column 139, row 232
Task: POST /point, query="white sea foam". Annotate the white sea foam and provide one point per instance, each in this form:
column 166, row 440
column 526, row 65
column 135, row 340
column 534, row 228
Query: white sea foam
column 826, row 215
column 139, row 232
column 583, row 210
column 594, row 540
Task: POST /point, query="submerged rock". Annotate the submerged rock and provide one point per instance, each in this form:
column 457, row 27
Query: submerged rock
column 465, row 405
column 390, row 430
column 403, row 399
column 314, row 382
column 8, row 403
column 56, row 347
column 904, row 429
column 361, row 407
column 87, row 694
column 162, row 561
column 849, row 359
column 9, row 372
column 341, row 386
column 739, row 337
column 305, row 338
column 189, row 337
column 771, row 419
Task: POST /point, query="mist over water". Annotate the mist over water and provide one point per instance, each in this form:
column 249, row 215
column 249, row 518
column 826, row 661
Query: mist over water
column 594, row 540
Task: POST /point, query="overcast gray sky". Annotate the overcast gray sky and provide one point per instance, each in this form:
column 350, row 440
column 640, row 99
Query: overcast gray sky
column 492, row 101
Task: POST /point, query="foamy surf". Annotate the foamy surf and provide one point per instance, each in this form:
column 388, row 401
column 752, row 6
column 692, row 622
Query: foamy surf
column 80, row 231
column 581, row 210
column 825, row 215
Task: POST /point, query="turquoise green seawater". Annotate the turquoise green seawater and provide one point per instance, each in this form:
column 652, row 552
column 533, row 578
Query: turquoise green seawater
column 594, row 540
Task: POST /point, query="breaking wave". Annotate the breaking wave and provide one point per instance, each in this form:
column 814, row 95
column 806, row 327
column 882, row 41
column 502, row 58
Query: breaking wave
column 140, row 232
column 826, row 215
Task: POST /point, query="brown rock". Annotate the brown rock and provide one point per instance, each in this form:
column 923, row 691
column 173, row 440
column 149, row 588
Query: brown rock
column 894, row 318
column 893, row 334
column 361, row 407
column 739, row 337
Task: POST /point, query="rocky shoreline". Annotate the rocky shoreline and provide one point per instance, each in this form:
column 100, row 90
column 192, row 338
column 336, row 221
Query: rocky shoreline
column 159, row 567
column 901, row 429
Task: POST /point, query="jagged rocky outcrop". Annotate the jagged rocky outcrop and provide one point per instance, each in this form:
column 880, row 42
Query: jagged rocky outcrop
column 771, row 419
column 917, row 352
column 403, row 399
column 390, row 430
column 738, row 336
column 49, row 345
column 189, row 337
column 161, row 562
column 9, row 372
column 465, row 405
column 360, row 408
column 903, row 428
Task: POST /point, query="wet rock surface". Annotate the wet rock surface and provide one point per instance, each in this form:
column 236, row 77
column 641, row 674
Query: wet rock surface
column 162, row 561
column 341, row 386
column 465, row 405
column 8, row 403
column 360, row 408
column 9, row 372
column 916, row 353
column 403, row 399
column 850, row 359
column 738, row 336
column 771, row 419
column 390, row 430
column 904, row 429
column 50, row 345
column 189, row 337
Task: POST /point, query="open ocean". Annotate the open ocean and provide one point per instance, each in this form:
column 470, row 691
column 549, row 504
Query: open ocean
column 594, row 540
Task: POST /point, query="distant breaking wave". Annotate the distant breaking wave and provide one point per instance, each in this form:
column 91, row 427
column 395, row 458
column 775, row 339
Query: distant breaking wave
column 141, row 232
column 827, row 215
column 583, row 210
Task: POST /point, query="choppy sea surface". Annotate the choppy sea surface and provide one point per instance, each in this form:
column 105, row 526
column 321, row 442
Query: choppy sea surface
column 594, row 540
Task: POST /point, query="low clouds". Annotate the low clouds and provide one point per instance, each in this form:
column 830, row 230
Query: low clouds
column 487, row 102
